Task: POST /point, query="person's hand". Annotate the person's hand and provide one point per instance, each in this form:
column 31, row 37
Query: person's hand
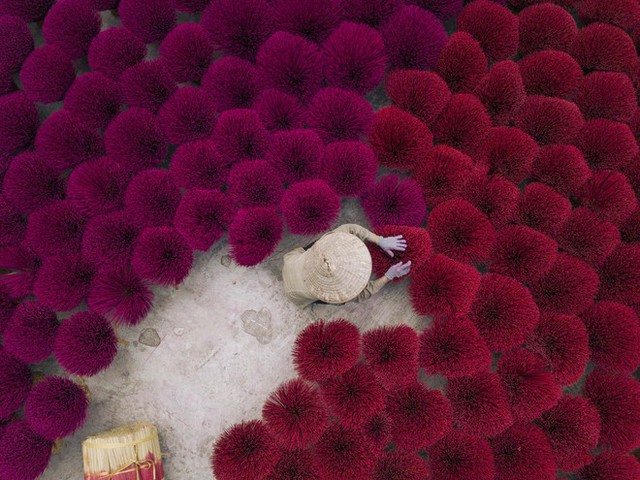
column 389, row 244
column 398, row 270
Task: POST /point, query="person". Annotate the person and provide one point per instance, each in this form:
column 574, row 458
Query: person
column 337, row 267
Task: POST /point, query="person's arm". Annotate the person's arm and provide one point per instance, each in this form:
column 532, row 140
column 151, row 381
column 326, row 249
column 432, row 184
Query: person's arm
column 373, row 287
column 388, row 244
column 360, row 232
column 395, row 271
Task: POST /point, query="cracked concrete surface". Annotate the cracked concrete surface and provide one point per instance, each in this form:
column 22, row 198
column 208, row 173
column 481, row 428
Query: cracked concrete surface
column 209, row 355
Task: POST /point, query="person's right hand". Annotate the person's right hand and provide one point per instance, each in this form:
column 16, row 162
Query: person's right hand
column 398, row 270
column 389, row 244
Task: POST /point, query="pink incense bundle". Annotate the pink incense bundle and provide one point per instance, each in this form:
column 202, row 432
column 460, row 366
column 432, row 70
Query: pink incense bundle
column 130, row 452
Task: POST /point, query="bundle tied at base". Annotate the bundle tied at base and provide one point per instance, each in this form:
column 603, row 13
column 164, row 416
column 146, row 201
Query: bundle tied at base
column 130, row 452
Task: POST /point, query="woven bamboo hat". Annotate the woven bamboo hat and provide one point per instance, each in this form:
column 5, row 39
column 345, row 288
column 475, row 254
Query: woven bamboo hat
column 337, row 268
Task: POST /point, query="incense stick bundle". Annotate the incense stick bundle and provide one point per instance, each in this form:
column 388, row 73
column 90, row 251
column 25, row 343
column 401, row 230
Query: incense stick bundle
column 131, row 452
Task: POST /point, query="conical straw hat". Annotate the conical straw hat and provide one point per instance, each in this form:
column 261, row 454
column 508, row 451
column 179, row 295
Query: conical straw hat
column 337, row 268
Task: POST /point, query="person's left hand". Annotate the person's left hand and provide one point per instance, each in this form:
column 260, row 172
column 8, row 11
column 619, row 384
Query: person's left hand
column 398, row 270
column 389, row 244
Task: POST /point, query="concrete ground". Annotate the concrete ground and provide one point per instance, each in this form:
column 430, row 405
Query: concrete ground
column 209, row 355
column 212, row 350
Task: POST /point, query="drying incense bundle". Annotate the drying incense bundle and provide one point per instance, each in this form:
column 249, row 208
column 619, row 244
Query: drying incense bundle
column 131, row 452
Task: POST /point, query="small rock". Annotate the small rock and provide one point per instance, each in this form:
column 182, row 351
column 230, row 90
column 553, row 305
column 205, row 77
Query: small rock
column 258, row 324
column 178, row 331
column 149, row 337
column 225, row 260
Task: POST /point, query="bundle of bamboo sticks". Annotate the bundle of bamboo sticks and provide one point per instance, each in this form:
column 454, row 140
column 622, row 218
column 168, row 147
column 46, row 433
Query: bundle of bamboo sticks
column 130, row 452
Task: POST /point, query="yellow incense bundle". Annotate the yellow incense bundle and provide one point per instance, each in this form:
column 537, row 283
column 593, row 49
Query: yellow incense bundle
column 131, row 452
